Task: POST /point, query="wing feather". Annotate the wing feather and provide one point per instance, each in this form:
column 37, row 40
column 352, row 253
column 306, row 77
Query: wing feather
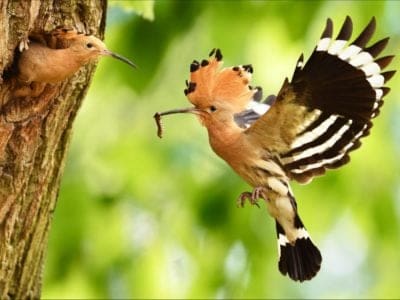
column 321, row 114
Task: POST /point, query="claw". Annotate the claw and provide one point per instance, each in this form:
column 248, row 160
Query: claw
column 247, row 196
column 243, row 197
column 259, row 192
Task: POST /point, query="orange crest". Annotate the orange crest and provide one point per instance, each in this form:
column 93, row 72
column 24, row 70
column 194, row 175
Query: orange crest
column 210, row 84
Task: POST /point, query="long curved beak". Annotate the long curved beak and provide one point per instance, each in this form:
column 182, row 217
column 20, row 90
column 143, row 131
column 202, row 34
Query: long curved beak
column 158, row 115
column 119, row 57
column 192, row 110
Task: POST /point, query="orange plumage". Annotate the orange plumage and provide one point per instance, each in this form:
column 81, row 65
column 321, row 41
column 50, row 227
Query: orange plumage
column 312, row 125
column 52, row 61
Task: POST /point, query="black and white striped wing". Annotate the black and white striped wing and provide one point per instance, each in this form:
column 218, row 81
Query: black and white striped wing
column 338, row 91
column 343, row 86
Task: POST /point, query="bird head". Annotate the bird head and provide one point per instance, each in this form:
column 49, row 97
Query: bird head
column 217, row 94
column 90, row 48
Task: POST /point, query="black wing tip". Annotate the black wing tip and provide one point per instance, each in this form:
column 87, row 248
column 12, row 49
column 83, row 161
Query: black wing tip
column 346, row 30
column 300, row 261
column 388, row 75
column 373, row 20
column 372, row 23
column 384, row 61
column 366, row 34
column 328, row 29
column 385, row 90
column 378, row 47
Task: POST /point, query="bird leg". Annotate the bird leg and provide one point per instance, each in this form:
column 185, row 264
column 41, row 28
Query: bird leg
column 258, row 193
column 252, row 197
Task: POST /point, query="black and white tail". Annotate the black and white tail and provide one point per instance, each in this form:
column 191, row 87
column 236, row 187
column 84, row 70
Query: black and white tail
column 342, row 85
column 301, row 259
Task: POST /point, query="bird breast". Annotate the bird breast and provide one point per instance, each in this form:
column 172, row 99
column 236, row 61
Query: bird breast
column 42, row 64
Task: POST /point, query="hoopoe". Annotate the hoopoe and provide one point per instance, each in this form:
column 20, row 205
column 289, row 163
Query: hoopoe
column 54, row 57
column 313, row 123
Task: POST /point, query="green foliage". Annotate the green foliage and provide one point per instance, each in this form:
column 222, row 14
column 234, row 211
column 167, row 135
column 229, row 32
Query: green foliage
column 140, row 217
column 141, row 8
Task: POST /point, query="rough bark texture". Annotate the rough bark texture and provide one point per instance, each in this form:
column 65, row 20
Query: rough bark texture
column 34, row 137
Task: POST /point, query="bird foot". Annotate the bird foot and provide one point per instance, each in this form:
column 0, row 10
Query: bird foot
column 252, row 197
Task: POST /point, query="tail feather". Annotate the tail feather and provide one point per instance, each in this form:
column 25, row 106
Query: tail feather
column 301, row 259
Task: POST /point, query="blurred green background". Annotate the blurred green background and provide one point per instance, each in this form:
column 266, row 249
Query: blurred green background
column 140, row 217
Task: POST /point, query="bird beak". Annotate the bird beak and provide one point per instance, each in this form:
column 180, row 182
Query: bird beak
column 191, row 110
column 119, row 57
column 158, row 116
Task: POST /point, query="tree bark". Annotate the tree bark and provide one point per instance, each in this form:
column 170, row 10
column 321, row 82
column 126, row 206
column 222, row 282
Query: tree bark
column 34, row 137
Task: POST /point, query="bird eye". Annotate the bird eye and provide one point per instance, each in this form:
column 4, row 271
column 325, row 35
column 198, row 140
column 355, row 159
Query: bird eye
column 89, row 45
column 213, row 108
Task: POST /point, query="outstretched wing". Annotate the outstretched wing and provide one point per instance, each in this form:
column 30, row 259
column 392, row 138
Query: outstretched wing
column 321, row 114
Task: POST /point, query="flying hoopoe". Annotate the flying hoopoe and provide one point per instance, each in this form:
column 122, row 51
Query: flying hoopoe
column 313, row 123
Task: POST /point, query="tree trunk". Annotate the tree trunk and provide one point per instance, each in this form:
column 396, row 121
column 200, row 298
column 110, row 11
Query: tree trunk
column 34, row 137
